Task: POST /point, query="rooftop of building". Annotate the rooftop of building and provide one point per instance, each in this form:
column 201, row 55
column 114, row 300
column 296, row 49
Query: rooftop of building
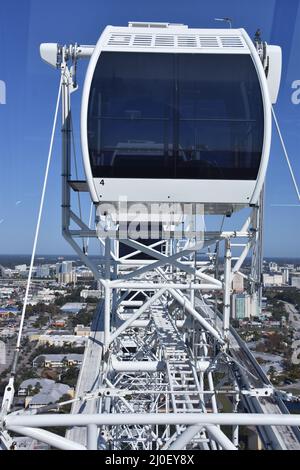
column 60, row 357
column 73, row 307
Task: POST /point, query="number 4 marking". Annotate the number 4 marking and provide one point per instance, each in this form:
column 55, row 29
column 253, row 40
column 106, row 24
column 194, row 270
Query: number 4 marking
column 102, row 182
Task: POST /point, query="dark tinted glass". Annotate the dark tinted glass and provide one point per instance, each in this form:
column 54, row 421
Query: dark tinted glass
column 189, row 116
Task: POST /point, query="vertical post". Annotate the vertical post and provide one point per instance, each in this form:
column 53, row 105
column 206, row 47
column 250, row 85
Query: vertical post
column 260, row 247
column 107, row 318
column 92, row 437
column 235, row 435
column 235, row 427
column 116, row 250
column 107, row 294
column 66, row 148
column 193, row 279
column 227, row 288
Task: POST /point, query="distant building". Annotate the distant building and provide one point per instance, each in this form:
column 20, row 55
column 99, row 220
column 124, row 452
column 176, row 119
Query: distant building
column 74, row 307
column 57, row 332
column 84, row 273
column 8, row 273
column 21, row 268
column 30, row 384
column 33, row 335
column 266, row 314
column 65, row 273
column 273, row 267
column 295, row 281
column 264, row 302
column 270, row 280
column 54, row 361
column 238, row 283
column 275, row 323
column 59, row 324
column 2, row 271
column 62, row 340
column 43, row 272
column 243, row 306
column 8, row 312
column 2, row 353
column 6, row 292
column 45, row 296
column 49, row 392
column 286, row 276
column 92, row 294
column 7, row 333
column 81, row 330
column 238, row 306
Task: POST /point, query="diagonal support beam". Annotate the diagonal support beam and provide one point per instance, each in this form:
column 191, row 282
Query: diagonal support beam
column 136, row 315
column 186, row 304
column 163, row 260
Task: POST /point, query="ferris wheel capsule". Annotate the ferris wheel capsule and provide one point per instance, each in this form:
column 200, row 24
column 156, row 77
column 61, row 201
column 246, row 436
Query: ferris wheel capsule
column 172, row 114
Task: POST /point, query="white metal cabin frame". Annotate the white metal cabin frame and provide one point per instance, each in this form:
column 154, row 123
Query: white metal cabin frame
column 181, row 40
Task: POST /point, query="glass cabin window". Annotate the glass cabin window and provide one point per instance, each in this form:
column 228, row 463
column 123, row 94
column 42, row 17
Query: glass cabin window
column 189, row 116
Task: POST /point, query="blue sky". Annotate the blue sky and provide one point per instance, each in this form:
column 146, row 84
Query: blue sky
column 26, row 119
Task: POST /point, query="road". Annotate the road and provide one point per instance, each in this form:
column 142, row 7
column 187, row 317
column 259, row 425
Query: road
column 89, row 379
column 10, row 347
column 294, row 316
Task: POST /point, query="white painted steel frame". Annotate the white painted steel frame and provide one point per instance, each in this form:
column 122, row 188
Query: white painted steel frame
column 242, row 419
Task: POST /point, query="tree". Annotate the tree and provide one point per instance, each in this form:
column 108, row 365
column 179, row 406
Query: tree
column 65, row 361
column 38, row 387
column 70, row 376
column 29, row 390
column 40, row 361
column 271, row 372
column 42, row 320
column 67, row 408
column 84, row 318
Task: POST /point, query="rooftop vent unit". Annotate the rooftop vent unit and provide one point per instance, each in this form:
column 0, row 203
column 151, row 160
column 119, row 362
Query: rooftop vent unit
column 140, row 24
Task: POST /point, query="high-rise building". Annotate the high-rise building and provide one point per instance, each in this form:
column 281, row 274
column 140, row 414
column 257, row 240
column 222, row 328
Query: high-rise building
column 272, row 280
column 238, row 283
column 273, row 267
column 286, row 276
column 238, row 306
column 43, row 271
column 2, row 271
column 67, row 267
column 243, row 306
column 65, row 273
